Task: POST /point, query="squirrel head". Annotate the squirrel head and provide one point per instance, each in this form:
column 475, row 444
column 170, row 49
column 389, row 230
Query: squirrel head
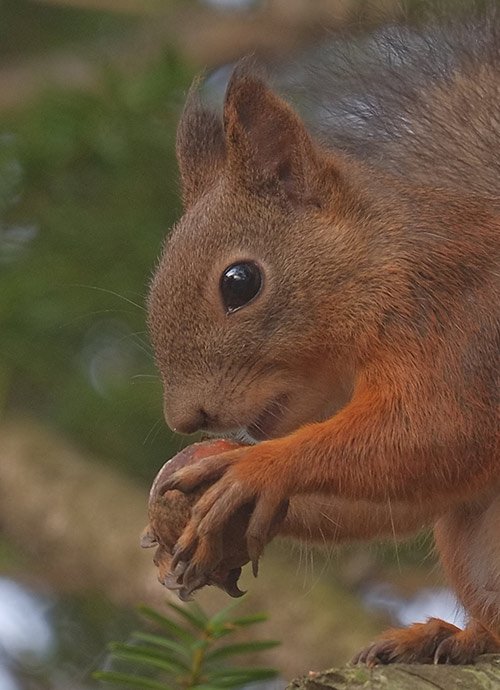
column 237, row 307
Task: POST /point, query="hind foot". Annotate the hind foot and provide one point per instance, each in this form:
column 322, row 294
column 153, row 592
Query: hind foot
column 435, row 642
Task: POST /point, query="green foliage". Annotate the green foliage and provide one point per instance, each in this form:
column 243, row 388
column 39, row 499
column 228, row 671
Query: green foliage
column 30, row 26
column 187, row 653
column 88, row 189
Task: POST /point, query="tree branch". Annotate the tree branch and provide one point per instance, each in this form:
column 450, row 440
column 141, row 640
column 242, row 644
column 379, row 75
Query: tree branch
column 485, row 675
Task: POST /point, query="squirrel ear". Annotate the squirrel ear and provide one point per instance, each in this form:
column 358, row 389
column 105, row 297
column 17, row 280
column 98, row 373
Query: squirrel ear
column 200, row 147
column 267, row 143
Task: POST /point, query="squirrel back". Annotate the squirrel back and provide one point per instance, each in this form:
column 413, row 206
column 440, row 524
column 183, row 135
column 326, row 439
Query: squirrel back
column 418, row 102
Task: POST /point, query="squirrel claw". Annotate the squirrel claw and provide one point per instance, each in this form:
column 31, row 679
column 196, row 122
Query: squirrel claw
column 178, row 568
column 230, row 583
column 184, row 595
column 268, row 514
column 171, row 581
column 255, row 548
column 186, row 592
column 148, row 538
column 178, row 559
column 255, row 567
column 371, row 656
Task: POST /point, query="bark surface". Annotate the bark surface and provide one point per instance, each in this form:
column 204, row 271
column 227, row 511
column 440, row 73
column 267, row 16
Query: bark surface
column 485, row 675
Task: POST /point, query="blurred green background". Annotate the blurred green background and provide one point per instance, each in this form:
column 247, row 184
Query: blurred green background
column 90, row 93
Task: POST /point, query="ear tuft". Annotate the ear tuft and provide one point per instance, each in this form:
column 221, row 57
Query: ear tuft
column 267, row 143
column 200, row 146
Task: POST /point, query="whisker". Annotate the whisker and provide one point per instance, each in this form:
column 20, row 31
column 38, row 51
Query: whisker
column 136, row 336
column 247, row 364
column 138, row 343
column 330, row 519
column 98, row 312
column 260, row 351
column 252, row 375
column 393, row 528
column 156, row 428
column 109, row 292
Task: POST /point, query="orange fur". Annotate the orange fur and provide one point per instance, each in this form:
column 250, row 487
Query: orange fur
column 368, row 362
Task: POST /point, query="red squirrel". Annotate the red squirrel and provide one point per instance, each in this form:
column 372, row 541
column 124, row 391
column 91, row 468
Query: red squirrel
column 334, row 296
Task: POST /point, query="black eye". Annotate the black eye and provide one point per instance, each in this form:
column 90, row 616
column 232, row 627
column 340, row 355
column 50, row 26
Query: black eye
column 239, row 284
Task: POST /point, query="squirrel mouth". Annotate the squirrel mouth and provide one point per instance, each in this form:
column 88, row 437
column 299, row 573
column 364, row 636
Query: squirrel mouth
column 264, row 425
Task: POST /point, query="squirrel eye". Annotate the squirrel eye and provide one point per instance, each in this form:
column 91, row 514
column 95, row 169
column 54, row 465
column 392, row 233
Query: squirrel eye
column 239, row 284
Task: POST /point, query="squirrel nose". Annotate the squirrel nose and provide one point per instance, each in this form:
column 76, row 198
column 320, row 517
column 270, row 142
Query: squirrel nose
column 189, row 421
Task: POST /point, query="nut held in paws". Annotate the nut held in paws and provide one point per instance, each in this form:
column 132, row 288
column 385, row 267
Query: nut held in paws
column 169, row 513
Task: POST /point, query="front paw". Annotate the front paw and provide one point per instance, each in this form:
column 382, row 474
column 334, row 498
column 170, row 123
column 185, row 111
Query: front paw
column 208, row 469
column 233, row 502
column 169, row 513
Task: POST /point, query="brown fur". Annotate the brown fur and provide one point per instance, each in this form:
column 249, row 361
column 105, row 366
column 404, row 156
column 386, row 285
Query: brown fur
column 374, row 340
